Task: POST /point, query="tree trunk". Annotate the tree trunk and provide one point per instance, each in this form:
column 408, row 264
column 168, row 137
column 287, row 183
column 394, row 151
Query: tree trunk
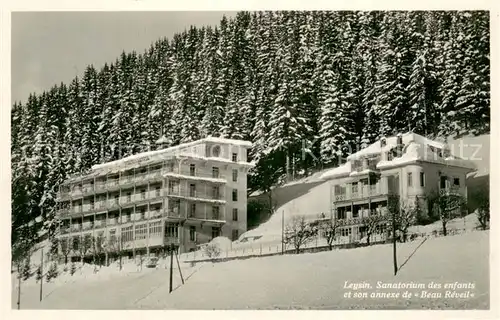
column 444, row 228
column 368, row 239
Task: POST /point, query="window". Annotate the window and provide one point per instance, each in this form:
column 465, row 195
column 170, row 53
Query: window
column 129, row 196
column 117, row 199
column 456, row 182
column 341, row 214
column 155, row 228
column 171, row 166
column 171, row 186
column 235, row 195
column 422, row 179
column 76, row 243
column 355, row 213
column 141, row 231
column 158, row 191
column 215, row 172
column 143, row 213
column 235, row 175
column 192, row 190
column 192, row 210
column 143, row 194
column 443, row 182
column 171, row 231
column 216, row 151
column 410, row 179
column 127, row 234
column 235, row 214
column 192, row 169
column 92, row 204
column 174, row 206
column 215, row 212
column 235, row 235
column 215, row 232
column 235, row 157
column 354, row 188
column 215, row 192
column 192, row 233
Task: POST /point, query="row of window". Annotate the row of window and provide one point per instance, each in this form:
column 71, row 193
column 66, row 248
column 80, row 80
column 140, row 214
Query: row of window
column 215, row 172
column 443, row 182
column 154, row 230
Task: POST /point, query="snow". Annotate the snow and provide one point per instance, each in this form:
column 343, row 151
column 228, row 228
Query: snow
column 340, row 171
column 223, row 243
column 360, row 173
column 182, row 176
column 274, row 282
column 418, row 152
column 391, row 142
column 170, row 151
column 234, row 142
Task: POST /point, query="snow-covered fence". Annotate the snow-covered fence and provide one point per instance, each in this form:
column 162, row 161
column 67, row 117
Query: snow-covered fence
column 257, row 249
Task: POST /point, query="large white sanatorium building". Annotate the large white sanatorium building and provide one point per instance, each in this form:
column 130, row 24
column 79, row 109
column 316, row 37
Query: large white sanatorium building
column 184, row 195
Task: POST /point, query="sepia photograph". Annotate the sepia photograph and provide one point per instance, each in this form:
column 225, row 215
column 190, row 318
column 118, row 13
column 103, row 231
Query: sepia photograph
column 250, row 160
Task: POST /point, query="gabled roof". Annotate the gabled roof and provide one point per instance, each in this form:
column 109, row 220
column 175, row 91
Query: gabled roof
column 391, row 142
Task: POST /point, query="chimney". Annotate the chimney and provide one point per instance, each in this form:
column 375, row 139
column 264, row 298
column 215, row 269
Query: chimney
column 399, row 139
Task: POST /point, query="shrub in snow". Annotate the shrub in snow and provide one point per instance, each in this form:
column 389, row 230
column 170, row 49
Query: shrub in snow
column 39, row 274
column 52, row 273
column 212, row 250
column 26, row 270
column 72, row 270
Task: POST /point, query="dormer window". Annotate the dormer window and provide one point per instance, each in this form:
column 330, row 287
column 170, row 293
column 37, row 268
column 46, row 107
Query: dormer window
column 383, row 142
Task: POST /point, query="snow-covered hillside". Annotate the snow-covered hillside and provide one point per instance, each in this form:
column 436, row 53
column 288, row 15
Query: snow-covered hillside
column 315, row 281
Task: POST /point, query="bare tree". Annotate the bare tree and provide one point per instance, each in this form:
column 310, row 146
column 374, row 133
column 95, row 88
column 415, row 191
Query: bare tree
column 86, row 246
column 448, row 206
column 97, row 249
column 299, row 232
column 330, row 229
column 65, row 249
column 115, row 247
column 371, row 223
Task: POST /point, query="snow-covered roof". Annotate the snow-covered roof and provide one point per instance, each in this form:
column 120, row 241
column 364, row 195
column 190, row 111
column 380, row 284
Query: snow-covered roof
column 339, row 171
column 391, row 142
column 418, row 152
column 175, row 150
column 235, row 142
column 156, row 156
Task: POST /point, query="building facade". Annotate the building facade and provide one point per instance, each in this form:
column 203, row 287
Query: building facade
column 184, row 196
column 408, row 166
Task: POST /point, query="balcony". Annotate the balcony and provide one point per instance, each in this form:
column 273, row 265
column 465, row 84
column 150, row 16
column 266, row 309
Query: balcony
column 451, row 191
column 197, row 176
column 361, row 193
column 200, row 196
column 171, row 240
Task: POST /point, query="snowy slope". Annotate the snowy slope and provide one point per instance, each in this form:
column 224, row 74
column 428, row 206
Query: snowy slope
column 313, row 200
column 303, row 281
column 316, row 281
